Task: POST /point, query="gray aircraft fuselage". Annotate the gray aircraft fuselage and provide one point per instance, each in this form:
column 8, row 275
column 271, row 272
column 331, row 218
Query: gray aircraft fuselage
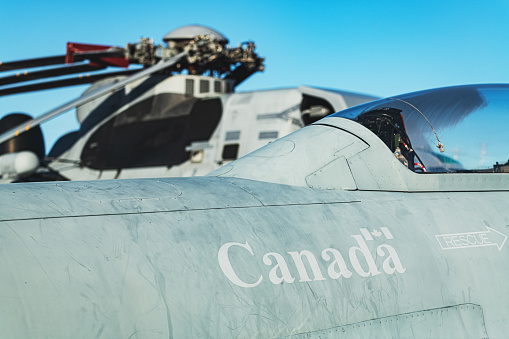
column 316, row 250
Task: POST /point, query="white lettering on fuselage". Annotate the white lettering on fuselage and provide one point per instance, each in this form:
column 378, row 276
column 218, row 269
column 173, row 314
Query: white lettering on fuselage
column 360, row 258
column 490, row 237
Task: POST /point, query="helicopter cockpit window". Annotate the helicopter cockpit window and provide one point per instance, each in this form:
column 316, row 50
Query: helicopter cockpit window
column 161, row 136
column 455, row 129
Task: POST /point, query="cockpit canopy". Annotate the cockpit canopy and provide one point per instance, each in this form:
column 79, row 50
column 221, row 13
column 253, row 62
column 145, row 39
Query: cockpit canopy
column 470, row 121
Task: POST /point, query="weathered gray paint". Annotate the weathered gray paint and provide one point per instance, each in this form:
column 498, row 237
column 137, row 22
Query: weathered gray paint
column 139, row 258
column 461, row 321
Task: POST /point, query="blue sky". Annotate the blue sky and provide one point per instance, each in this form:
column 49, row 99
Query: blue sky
column 381, row 48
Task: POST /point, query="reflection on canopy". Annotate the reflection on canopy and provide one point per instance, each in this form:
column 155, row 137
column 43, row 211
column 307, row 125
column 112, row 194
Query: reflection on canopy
column 469, row 120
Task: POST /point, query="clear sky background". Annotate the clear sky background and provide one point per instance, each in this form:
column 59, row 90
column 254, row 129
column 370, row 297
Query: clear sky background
column 375, row 47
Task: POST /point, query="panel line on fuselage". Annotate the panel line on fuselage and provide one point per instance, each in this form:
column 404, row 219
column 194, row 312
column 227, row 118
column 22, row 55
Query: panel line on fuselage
column 180, row 210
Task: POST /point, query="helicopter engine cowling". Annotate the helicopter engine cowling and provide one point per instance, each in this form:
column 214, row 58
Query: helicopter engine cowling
column 32, row 140
column 21, row 155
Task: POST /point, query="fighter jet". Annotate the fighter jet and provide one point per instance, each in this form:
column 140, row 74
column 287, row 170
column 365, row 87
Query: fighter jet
column 346, row 228
column 177, row 116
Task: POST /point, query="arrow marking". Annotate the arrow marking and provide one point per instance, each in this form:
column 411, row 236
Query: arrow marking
column 455, row 241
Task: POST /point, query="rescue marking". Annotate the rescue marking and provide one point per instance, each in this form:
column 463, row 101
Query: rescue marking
column 358, row 258
column 456, row 241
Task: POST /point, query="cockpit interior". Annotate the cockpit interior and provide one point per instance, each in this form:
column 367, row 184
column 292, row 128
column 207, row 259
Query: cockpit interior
column 447, row 130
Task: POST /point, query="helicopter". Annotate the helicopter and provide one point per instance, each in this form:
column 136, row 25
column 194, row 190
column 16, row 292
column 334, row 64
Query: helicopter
column 178, row 115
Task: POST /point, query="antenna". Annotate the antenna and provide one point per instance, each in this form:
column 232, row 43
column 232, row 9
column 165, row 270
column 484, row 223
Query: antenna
column 440, row 145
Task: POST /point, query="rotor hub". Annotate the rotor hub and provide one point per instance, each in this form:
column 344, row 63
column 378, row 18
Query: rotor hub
column 186, row 33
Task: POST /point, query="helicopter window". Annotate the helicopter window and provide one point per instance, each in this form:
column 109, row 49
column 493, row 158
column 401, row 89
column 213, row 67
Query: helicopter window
column 230, row 152
column 217, row 86
column 314, row 109
column 454, row 129
column 189, row 87
column 204, row 86
column 232, row 135
column 268, row 135
column 159, row 137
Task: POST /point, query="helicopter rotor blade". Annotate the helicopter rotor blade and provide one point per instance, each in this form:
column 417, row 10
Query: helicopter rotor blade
column 114, row 52
column 79, row 80
column 37, row 62
column 14, row 132
column 47, row 73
